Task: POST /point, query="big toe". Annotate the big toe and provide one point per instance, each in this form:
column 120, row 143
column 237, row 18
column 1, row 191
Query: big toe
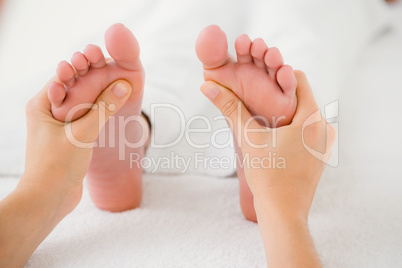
column 212, row 47
column 123, row 47
column 56, row 93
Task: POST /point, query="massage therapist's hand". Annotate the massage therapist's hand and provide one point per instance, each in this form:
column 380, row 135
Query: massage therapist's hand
column 58, row 154
column 283, row 188
column 51, row 185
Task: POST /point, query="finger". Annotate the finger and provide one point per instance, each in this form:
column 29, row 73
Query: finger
column 306, row 104
column 107, row 104
column 40, row 103
column 237, row 115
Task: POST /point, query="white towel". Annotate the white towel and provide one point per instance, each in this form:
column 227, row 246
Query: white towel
column 193, row 221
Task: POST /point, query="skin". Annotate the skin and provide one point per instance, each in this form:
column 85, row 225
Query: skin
column 113, row 184
column 282, row 197
column 48, row 190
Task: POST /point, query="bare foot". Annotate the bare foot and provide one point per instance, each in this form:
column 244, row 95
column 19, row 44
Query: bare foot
column 258, row 77
column 113, row 184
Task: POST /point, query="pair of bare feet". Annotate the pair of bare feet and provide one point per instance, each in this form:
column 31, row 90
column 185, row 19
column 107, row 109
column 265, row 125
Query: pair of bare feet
column 258, row 77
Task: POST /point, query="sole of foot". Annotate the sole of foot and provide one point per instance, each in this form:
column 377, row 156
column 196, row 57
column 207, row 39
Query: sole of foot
column 113, row 184
column 258, row 77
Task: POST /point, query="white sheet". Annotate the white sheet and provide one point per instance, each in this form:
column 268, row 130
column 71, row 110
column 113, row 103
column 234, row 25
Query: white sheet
column 35, row 37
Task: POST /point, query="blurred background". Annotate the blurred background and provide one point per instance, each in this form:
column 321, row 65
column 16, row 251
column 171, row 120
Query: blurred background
column 327, row 40
column 351, row 51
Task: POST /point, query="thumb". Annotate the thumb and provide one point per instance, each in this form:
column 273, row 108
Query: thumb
column 107, row 104
column 306, row 104
column 235, row 112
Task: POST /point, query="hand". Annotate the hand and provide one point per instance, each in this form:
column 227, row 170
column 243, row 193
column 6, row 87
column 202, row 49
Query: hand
column 54, row 160
column 277, row 164
column 282, row 167
column 51, row 185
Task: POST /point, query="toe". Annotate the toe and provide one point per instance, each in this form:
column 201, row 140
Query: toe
column 273, row 60
column 56, row 93
column 258, row 50
column 243, row 46
column 95, row 56
column 123, row 47
column 80, row 63
column 287, row 80
column 65, row 73
column 212, row 47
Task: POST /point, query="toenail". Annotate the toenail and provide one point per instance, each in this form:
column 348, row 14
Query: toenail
column 211, row 91
column 119, row 90
column 51, row 84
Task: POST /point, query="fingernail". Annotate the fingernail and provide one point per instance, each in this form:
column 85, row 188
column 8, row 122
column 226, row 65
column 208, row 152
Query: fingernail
column 119, row 90
column 210, row 91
